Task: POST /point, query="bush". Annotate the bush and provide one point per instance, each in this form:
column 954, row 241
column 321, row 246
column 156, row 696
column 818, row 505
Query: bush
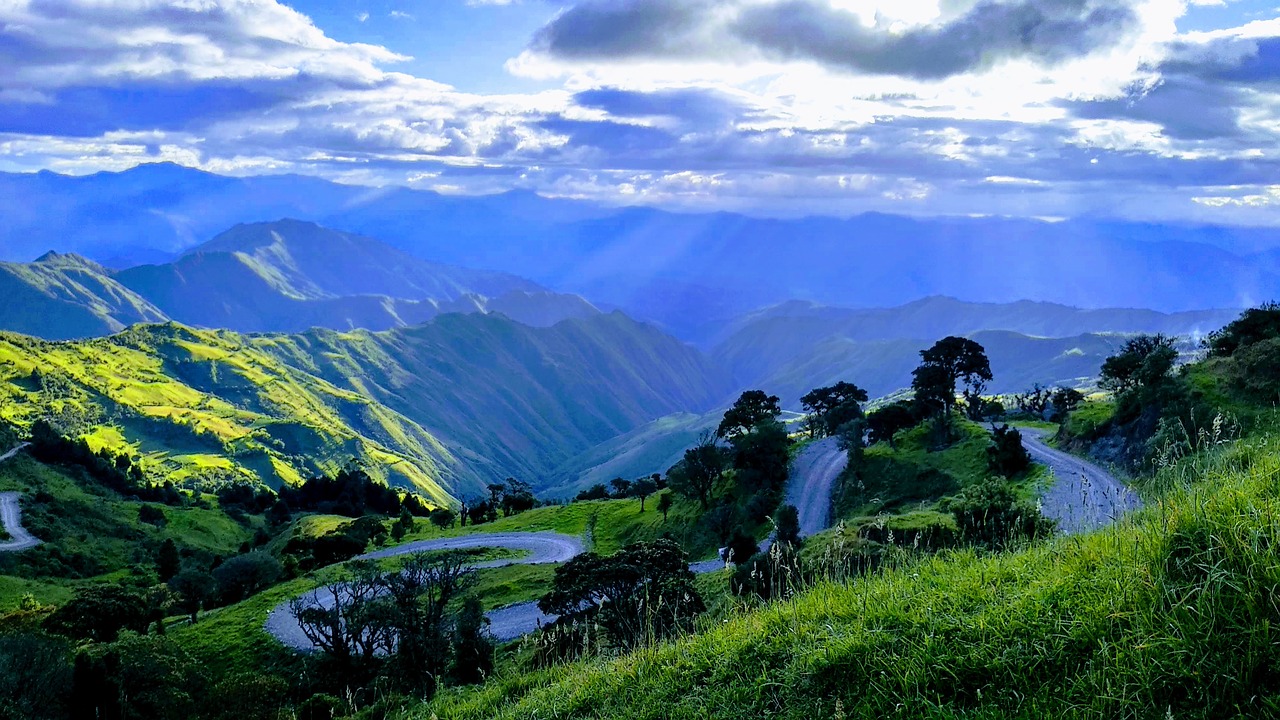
column 1006, row 456
column 990, row 514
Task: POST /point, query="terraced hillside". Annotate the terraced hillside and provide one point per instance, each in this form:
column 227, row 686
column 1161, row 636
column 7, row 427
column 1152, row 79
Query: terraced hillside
column 444, row 407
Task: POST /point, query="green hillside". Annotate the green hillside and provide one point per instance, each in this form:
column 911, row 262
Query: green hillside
column 201, row 407
column 62, row 297
column 443, row 408
column 510, row 399
column 1167, row 613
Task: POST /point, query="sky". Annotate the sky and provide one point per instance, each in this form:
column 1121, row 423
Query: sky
column 1161, row 110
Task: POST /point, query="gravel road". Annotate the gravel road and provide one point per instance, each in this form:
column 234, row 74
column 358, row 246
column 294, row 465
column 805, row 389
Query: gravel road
column 505, row 624
column 19, row 538
column 13, row 452
column 11, row 515
column 1083, row 496
column 813, row 476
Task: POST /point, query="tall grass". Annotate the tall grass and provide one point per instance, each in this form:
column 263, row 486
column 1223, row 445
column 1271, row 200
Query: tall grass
column 1170, row 613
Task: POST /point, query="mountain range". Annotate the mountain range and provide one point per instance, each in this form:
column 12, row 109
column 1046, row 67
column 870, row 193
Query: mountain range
column 690, row 273
column 284, row 276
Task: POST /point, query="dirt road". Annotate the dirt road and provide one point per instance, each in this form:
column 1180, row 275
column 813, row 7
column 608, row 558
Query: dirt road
column 1083, row 496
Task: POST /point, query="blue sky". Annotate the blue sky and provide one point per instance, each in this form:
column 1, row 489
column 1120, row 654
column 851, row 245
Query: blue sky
column 1141, row 109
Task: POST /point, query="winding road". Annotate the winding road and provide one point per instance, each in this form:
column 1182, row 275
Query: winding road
column 11, row 514
column 1083, row 496
column 813, row 474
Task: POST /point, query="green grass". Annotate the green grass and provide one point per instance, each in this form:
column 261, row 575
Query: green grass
column 1085, row 421
column 92, row 535
column 1171, row 612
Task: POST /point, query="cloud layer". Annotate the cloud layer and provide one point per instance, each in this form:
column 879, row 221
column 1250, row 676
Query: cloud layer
column 1022, row 107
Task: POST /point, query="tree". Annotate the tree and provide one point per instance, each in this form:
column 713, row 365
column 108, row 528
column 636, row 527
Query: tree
column 595, row 492
column 443, row 518
column 786, row 525
column 137, row 678
column 194, row 588
column 1143, row 362
column 644, row 591
column 35, row 672
column 761, row 458
column 1035, row 401
column 168, row 561
column 751, row 409
column 643, row 488
column 1253, row 326
column 348, row 626
column 950, row 361
column 696, row 475
column 417, row 599
column 517, row 498
column 831, row 407
column 664, row 505
column 885, row 423
column 244, row 575
column 621, row 487
column 1064, row 401
column 472, row 645
column 1006, row 456
column 100, row 612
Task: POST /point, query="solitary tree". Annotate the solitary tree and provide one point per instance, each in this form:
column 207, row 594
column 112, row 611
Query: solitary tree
column 1064, row 401
column 831, row 407
column 643, row 488
column 696, row 475
column 1143, row 362
column 752, row 409
column 168, row 561
column 786, row 523
column 951, row 361
column 664, row 505
column 194, row 589
column 885, row 423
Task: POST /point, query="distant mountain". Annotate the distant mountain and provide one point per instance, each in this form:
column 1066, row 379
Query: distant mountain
column 60, row 297
column 692, row 273
column 444, row 407
column 285, row 276
column 795, row 346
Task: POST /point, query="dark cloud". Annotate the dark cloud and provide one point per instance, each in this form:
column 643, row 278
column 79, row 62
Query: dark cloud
column 1201, row 91
column 1049, row 31
column 627, row 28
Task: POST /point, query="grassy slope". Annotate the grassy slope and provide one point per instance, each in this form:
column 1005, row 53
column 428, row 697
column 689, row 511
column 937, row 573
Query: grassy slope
column 443, row 408
column 202, row 405
column 98, row 527
column 1169, row 612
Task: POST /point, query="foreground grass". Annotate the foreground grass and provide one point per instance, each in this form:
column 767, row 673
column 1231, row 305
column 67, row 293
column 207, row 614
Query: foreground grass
column 1168, row 614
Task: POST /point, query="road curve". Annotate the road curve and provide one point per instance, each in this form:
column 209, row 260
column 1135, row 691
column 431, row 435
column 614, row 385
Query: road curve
column 11, row 515
column 505, row 624
column 1083, row 496
column 813, row 476
column 14, row 451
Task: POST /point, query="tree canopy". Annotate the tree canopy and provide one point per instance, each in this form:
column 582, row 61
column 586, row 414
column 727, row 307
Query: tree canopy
column 752, row 408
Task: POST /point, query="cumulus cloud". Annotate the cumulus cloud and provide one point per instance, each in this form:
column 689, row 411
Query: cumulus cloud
column 972, row 36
